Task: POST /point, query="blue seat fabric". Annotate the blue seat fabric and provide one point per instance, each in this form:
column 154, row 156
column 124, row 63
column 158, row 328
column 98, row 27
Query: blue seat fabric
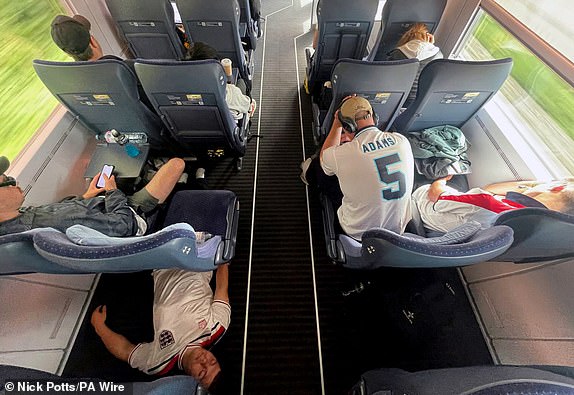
column 384, row 84
column 149, row 28
column 190, row 97
column 103, row 95
column 46, row 250
column 539, row 235
column 398, row 16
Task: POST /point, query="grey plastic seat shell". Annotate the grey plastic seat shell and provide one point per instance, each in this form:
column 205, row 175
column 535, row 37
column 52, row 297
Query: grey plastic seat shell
column 451, row 92
column 539, row 235
column 216, row 23
column 190, row 97
column 102, row 94
column 398, row 16
column 344, row 30
column 384, row 84
column 46, row 250
column 149, row 28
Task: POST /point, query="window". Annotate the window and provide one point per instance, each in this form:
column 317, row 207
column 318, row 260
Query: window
column 24, row 101
column 537, row 101
column 550, row 19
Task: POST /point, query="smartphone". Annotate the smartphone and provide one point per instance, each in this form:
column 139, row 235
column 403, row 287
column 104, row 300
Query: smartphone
column 107, row 170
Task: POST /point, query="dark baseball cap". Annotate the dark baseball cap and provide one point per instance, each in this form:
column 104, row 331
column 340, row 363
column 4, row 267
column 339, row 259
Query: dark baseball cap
column 71, row 34
column 4, row 164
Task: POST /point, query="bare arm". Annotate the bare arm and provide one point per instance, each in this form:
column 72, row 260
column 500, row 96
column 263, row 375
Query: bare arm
column 501, row 188
column 334, row 137
column 117, row 344
column 437, row 188
column 221, row 283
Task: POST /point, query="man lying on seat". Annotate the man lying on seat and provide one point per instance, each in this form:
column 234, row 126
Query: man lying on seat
column 112, row 213
column 443, row 208
column 374, row 169
column 188, row 318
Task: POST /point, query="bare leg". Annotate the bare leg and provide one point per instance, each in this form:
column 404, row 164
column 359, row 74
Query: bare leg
column 162, row 183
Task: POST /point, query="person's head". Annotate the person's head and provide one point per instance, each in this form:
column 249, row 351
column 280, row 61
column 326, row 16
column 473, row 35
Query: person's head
column 72, row 35
column 417, row 31
column 11, row 196
column 556, row 197
column 201, row 365
column 355, row 113
column 201, row 51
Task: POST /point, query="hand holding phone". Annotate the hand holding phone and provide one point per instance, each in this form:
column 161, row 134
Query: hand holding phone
column 107, row 170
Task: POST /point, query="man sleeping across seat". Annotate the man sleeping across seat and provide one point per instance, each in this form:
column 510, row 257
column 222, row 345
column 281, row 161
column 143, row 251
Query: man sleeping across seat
column 106, row 209
column 443, row 208
column 187, row 318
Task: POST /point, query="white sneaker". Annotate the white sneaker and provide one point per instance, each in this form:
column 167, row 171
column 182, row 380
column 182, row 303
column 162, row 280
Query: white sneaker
column 200, row 172
column 304, row 167
column 182, row 178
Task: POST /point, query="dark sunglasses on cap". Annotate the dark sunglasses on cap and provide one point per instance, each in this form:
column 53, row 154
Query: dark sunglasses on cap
column 10, row 181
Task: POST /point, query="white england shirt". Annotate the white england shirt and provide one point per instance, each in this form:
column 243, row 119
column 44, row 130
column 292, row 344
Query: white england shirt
column 184, row 314
column 375, row 172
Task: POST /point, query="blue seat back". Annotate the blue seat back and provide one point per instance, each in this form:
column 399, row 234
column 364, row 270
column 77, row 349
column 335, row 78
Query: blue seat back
column 450, row 92
column 84, row 250
column 398, row 16
column 465, row 245
column 102, row 94
column 19, row 255
column 216, row 23
column 190, row 97
column 384, row 84
column 148, row 26
column 249, row 24
column 539, row 235
column 344, row 30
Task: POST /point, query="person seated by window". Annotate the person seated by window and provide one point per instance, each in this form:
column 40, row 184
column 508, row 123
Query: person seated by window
column 417, row 43
column 106, row 209
column 374, row 171
column 236, row 96
column 443, row 208
column 188, row 319
column 72, row 35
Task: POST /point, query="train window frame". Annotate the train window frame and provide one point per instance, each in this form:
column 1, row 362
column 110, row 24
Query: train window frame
column 509, row 125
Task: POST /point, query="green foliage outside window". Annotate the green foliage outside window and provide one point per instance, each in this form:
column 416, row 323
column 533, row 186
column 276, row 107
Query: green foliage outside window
column 25, row 103
column 542, row 84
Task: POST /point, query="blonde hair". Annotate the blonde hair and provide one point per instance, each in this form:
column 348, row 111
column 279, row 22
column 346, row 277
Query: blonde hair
column 418, row 31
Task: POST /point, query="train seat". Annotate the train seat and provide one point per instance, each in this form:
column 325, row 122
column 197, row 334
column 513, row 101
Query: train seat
column 477, row 380
column 384, row 84
column 463, row 246
column 249, row 25
column 103, row 95
column 539, row 235
column 344, row 28
column 397, row 18
column 450, row 92
column 84, row 250
column 190, row 97
column 216, row 23
column 149, row 28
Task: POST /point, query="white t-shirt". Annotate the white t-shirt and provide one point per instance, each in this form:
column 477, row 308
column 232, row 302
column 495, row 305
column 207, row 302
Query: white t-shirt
column 237, row 102
column 375, row 172
column 184, row 314
column 454, row 208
